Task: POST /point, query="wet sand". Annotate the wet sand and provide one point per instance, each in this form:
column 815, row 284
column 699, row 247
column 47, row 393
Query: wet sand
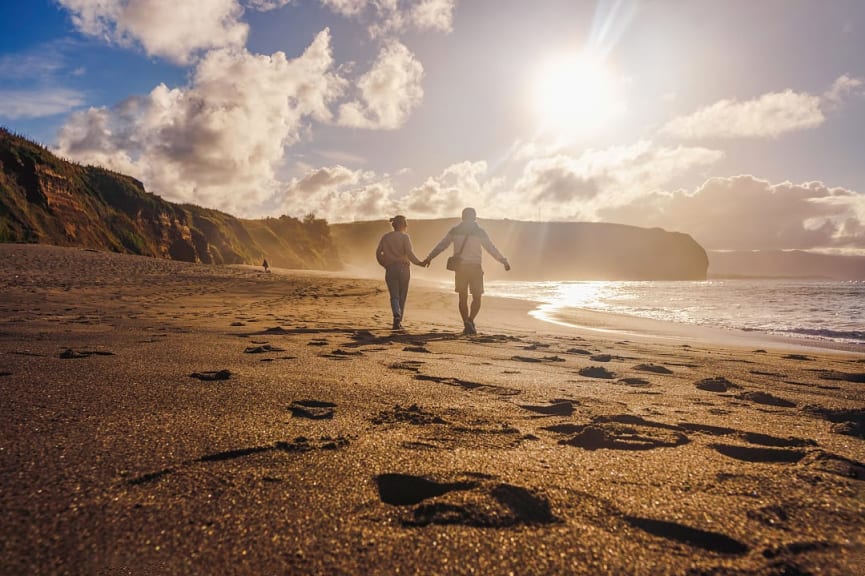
column 168, row 418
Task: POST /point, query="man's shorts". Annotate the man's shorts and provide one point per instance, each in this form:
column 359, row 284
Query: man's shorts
column 469, row 278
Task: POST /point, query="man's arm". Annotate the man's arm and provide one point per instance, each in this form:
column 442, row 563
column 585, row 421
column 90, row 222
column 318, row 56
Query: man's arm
column 440, row 247
column 493, row 251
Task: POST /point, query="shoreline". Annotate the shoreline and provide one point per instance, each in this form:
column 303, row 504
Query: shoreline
column 585, row 321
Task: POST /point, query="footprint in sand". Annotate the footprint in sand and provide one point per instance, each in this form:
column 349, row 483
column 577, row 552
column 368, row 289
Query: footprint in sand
column 597, row 372
column 758, row 454
column 404, row 489
column 848, row 422
column 407, row 365
column 475, row 500
column 468, row 385
column 535, row 360
column 716, row 384
column 455, row 431
column 765, row 398
column 299, row 444
column 620, row 432
column 414, row 414
column 695, row 537
column 635, row 382
column 822, row 461
column 554, row 408
column 70, row 353
column 856, row 377
column 340, row 354
column 212, row 376
column 312, row 409
column 262, row 349
column 579, row 351
column 418, row 349
column 749, row 437
column 653, row 368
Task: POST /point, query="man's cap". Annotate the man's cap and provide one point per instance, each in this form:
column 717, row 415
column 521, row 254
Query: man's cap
column 469, row 214
column 398, row 219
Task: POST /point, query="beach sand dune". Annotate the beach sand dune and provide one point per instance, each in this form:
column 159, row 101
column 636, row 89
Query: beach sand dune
column 169, row 418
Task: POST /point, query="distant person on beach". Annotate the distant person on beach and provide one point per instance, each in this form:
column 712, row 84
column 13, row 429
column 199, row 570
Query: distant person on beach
column 266, row 265
column 468, row 239
column 394, row 252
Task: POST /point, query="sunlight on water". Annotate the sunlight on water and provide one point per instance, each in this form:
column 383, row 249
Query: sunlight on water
column 823, row 310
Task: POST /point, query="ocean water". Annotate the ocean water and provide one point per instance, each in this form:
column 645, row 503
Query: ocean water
column 802, row 309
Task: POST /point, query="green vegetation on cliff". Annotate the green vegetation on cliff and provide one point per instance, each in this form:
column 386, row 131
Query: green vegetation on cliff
column 48, row 200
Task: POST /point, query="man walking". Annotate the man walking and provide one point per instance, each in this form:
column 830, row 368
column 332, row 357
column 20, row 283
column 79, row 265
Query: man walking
column 469, row 241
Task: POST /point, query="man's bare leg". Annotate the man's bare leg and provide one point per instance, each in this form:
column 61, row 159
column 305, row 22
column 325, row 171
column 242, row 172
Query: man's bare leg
column 476, row 307
column 464, row 306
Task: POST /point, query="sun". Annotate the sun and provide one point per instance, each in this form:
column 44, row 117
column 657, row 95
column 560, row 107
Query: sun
column 576, row 95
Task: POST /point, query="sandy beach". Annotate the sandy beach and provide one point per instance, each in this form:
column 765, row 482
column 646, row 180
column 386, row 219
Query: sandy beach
column 168, row 418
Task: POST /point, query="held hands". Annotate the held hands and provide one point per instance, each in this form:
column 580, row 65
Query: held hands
column 425, row 262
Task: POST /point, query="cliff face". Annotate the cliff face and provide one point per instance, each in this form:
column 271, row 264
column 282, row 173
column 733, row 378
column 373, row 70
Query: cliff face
column 48, row 200
column 549, row 251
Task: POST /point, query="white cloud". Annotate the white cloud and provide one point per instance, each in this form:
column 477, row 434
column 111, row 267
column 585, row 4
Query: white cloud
column 393, row 17
column 746, row 213
column 388, row 92
column 346, row 7
column 172, row 29
column 267, row 5
column 562, row 186
column 433, row 15
column 218, row 141
column 460, row 185
column 38, row 103
column 768, row 116
column 32, row 65
column 339, row 194
column 843, row 88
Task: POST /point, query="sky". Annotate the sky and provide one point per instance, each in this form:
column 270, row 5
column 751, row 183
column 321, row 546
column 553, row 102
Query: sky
column 741, row 123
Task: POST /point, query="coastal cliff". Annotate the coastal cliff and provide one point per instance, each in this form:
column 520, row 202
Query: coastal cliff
column 44, row 199
column 549, row 250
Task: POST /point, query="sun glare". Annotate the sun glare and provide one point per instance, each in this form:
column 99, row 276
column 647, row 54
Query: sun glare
column 576, row 95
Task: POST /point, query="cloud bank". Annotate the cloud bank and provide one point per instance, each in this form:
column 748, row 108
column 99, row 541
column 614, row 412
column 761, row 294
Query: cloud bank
column 217, row 141
column 171, row 29
column 388, row 93
column 767, row 116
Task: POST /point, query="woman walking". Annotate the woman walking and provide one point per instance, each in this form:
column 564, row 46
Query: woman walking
column 395, row 253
